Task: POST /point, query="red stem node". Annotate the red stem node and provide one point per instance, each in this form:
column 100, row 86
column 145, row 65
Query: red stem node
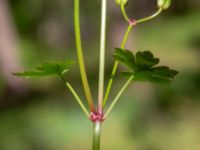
column 132, row 22
column 96, row 117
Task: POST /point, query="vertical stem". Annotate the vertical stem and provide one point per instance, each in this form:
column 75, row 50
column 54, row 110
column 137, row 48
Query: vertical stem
column 126, row 36
column 96, row 135
column 80, row 56
column 102, row 55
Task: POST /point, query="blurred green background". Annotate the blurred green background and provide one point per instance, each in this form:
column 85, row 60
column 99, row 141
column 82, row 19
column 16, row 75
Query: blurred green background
column 43, row 115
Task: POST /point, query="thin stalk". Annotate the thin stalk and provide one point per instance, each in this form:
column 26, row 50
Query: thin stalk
column 118, row 96
column 77, row 98
column 150, row 17
column 124, row 13
column 80, row 56
column 102, row 55
column 130, row 27
column 115, row 66
column 80, row 102
column 96, row 135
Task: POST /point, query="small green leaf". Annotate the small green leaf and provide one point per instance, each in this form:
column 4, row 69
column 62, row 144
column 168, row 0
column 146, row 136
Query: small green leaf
column 47, row 69
column 143, row 67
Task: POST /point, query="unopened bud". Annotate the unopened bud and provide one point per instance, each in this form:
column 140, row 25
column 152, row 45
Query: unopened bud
column 164, row 4
column 121, row 2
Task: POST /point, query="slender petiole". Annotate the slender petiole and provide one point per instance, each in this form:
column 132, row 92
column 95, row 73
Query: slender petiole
column 124, row 13
column 110, row 83
column 78, row 99
column 118, row 96
column 81, row 58
column 150, row 17
column 130, row 27
column 80, row 102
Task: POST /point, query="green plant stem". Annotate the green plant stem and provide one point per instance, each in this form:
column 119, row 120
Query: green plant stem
column 96, row 135
column 118, row 96
column 150, row 17
column 130, row 27
column 102, row 56
column 124, row 13
column 81, row 58
column 80, row 102
column 78, row 99
column 115, row 66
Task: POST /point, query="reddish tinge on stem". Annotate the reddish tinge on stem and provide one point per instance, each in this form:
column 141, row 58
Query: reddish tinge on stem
column 96, row 117
column 132, row 22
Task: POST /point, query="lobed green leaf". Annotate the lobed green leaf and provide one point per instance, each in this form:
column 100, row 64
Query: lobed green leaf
column 143, row 67
column 47, row 69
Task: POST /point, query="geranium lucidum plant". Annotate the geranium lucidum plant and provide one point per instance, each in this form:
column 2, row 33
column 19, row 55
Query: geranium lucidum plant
column 142, row 66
